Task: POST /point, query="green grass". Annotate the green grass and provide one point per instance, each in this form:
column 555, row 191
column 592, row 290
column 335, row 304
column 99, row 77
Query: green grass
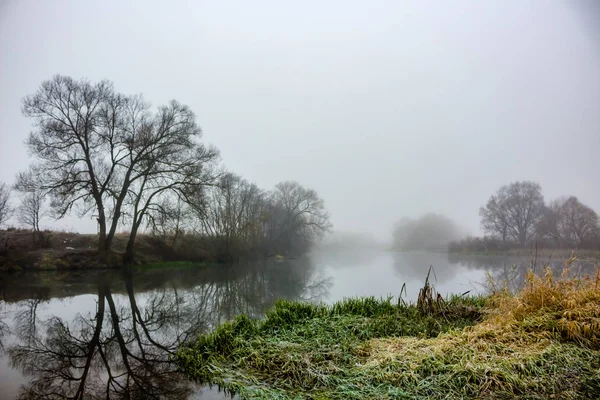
column 543, row 342
column 302, row 350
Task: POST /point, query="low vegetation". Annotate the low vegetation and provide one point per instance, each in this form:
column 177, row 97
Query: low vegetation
column 27, row 249
column 543, row 342
column 543, row 250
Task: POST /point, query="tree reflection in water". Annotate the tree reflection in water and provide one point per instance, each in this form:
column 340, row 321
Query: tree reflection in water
column 123, row 348
column 3, row 333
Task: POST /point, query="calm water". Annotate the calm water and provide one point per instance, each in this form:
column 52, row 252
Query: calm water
column 98, row 333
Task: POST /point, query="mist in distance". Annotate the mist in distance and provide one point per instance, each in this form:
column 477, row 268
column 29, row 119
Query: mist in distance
column 387, row 110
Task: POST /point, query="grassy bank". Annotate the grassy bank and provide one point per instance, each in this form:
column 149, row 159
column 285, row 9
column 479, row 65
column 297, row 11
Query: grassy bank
column 51, row 250
column 543, row 342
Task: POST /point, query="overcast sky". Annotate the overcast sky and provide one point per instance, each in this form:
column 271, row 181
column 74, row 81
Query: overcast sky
column 386, row 108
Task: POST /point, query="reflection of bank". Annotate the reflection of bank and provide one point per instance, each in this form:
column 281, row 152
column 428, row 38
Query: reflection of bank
column 511, row 271
column 123, row 348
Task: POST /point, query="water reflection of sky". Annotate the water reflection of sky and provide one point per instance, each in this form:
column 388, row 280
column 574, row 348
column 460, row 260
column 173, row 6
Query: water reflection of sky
column 385, row 273
column 200, row 298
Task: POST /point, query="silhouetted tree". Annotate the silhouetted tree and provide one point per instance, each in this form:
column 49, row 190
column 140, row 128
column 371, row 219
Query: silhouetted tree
column 170, row 221
column 30, row 212
column 5, row 208
column 230, row 214
column 296, row 216
column 552, row 223
column 514, row 211
column 108, row 153
column 580, row 221
column 568, row 222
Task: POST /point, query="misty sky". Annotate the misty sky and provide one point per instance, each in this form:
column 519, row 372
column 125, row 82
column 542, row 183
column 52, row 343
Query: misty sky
column 386, row 108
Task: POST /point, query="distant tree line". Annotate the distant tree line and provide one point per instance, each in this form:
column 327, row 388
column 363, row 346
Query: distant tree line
column 108, row 155
column 430, row 232
column 518, row 216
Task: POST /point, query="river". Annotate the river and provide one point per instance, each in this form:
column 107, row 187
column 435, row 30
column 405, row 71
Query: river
column 111, row 334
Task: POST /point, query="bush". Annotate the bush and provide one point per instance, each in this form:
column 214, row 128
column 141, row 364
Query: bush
column 51, row 261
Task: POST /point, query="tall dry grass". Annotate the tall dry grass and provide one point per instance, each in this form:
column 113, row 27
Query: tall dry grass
column 565, row 307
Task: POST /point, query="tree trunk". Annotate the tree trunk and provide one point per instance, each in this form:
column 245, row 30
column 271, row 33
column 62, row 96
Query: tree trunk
column 103, row 249
column 113, row 228
column 522, row 239
column 129, row 255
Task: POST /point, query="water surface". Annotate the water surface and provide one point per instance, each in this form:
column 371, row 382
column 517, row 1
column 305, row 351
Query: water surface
column 112, row 334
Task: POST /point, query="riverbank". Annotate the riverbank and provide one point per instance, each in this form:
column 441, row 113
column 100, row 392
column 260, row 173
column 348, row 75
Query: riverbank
column 540, row 343
column 20, row 249
column 540, row 253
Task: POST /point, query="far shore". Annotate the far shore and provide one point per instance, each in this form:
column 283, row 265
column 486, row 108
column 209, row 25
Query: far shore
column 540, row 254
column 67, row 250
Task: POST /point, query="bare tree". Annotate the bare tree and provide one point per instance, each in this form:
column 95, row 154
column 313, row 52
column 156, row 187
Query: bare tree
column 296, row 217
column 107, row 153
column 30, row 211
column 230, row 216
column 551, row 224
column 169, row 220
column 5, row 208
column 514, row 211
column 166, row 161
column 580, row 221
column 568, row 222
column 494, row 219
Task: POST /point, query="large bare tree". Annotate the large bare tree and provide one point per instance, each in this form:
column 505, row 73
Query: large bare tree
column 514, row 211
column 108, row 154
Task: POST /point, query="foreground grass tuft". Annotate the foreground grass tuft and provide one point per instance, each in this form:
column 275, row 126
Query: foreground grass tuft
column 540, row 343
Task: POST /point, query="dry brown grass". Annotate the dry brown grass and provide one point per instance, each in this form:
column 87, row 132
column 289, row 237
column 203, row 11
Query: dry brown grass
column 528, row 340
column 567, row 307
